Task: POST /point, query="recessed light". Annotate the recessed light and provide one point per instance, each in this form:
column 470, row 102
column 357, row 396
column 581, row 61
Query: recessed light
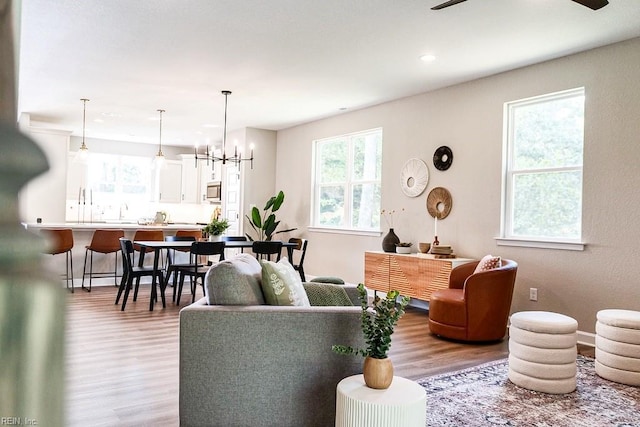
column 427, row 58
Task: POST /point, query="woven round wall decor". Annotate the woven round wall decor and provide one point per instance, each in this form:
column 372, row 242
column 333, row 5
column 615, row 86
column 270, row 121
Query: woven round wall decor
column 439, row 202
column 442, row 158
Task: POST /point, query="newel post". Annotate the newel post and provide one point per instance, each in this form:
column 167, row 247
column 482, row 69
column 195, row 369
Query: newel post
column 31, row 305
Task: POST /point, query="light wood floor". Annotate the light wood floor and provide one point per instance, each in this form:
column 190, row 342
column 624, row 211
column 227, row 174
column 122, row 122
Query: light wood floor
column 122, row 367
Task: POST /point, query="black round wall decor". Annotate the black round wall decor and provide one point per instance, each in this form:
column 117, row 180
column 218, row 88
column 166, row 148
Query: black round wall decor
column 442, row 158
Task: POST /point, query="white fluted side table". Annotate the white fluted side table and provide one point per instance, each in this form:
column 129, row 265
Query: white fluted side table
column 403, row 404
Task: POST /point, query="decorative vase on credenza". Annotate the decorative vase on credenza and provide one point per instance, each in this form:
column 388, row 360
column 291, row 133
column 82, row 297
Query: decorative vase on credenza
column 389, row 241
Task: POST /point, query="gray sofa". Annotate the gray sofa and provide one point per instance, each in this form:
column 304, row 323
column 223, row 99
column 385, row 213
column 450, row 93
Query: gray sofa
column 262, row 365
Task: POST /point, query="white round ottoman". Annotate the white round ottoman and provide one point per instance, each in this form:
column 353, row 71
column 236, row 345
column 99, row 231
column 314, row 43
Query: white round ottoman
column 542, row 351
column 618, row 346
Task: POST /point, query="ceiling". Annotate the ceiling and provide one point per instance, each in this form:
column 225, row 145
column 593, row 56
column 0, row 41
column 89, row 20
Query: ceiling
column 287, row 62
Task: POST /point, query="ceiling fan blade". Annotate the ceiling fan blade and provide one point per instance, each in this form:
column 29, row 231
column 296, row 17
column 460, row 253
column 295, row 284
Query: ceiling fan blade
column 447, row 4
column 593, row 4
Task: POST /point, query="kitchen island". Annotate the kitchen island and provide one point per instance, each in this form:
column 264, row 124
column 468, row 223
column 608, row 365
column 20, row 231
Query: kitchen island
column 82, row 233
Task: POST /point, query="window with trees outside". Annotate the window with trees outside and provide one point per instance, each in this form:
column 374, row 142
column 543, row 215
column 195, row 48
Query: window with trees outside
column 542, row 191
column 347, row 173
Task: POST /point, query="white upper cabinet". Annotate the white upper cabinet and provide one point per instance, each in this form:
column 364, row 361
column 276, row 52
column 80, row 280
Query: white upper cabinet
column 169, row 179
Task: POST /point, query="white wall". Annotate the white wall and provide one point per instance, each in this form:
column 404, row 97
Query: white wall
column 40, row 198
column 468, row 118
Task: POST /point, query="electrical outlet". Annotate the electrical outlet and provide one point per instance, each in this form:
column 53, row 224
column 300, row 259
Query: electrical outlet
column 533, row 294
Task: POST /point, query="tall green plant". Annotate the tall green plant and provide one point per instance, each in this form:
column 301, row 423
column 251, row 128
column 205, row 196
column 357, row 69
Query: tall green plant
column 265, row 224
column 377, row 324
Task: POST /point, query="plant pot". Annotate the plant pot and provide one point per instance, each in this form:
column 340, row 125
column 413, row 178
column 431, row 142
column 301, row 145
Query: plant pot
column 403, row 249
column 389, row 241
column 215, row 237
column 378, row 373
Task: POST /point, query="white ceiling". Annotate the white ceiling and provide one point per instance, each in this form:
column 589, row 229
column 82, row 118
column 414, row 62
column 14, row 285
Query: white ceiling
column 287, row 62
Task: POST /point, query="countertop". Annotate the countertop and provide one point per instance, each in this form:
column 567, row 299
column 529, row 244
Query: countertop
column 125, row 225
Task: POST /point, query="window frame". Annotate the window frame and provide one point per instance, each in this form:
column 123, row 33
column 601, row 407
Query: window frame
column 507, row 238
column 348, row 183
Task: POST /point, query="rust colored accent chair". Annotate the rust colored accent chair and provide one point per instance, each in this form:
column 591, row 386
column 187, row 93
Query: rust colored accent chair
column 476, row 306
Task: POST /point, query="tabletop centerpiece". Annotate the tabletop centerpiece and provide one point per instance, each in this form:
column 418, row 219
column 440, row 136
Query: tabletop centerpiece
column 378, row 322
column 215, row 229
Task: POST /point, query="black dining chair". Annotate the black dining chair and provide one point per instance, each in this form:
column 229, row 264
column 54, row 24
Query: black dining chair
column 197, row 271
column 235, row 239
column 301, row 245
column 265, row 249
column 131, row 271
column 173, row 264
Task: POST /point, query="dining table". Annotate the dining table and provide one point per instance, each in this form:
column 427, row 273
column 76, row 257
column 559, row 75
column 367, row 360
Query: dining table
column 158, row 245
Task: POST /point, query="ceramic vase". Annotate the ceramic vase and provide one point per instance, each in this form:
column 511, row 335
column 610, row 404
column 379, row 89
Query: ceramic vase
column 378, row 373
column 389, row 241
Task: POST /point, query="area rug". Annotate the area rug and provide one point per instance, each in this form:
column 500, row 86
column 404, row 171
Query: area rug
column 484, row 396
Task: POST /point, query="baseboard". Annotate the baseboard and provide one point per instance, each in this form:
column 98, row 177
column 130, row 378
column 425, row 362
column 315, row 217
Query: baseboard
column 587, row 338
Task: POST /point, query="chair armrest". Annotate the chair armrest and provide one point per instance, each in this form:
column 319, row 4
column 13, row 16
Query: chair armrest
column 460, row 273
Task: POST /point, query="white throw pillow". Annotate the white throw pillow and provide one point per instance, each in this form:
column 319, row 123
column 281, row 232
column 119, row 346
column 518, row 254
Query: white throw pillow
column 488, row 262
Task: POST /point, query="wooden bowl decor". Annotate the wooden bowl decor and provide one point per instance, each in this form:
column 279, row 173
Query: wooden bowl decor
column 439, row 202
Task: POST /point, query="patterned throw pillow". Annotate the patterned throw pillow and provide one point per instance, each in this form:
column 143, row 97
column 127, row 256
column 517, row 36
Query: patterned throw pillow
column 326, row 294
column 488, row 262
column 281, row 284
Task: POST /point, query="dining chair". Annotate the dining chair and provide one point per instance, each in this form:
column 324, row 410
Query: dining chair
column 264, row 249
column 301, row 245
column 61, row 242
column 196, row 234
column 173, row 263
column 197, row 271
column 235, row 239
column 104, row 242
column 131, row 271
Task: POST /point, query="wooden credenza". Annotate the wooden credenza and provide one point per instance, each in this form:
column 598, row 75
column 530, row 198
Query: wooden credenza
column 413, row 275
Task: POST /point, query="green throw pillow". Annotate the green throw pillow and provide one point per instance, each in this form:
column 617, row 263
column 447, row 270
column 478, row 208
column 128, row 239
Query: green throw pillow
column 326, row 294
column 328, row 279
column 281, row 284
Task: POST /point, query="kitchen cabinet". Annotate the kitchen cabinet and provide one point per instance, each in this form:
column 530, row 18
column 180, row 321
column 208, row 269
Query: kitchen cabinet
column 190, row 179
column 169, row 179
column 413, row 275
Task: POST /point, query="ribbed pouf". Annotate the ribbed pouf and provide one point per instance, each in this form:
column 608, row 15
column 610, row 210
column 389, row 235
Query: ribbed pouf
column 618, row 346
column 542, row 351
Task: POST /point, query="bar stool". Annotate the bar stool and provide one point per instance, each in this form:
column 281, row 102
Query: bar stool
column 61, row 242
column 153, row 235
column 104, row 242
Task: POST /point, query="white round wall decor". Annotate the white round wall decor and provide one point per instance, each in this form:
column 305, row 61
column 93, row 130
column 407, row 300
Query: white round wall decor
column 414, row 177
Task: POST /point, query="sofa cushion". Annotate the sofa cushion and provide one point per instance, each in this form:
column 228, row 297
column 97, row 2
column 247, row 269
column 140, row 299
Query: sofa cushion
column 488, row 262
column 281, row 284
column 235, row 281
column 325, row 294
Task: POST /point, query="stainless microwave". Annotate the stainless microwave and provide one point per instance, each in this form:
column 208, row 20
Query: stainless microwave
column 214, row 191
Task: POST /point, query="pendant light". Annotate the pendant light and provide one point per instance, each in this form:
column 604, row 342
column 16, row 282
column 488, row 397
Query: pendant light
column 159, row 160
column 83, row 152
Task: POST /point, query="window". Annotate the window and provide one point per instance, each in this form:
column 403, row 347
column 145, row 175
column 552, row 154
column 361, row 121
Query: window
column 119, row 183
column 542, row 191
column 347, row 171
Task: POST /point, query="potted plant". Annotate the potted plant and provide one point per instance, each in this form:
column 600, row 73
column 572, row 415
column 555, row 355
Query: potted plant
column 216, row 227
column 265, row 225
column 403, row 247
column 378, row 322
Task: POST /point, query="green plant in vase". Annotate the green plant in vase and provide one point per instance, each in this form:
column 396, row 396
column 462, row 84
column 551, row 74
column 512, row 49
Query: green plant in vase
column 265, row 224
column 378, row 322
column 216, row 227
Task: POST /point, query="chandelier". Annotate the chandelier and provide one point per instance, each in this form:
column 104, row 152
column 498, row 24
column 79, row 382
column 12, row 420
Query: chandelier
column 210, row 156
